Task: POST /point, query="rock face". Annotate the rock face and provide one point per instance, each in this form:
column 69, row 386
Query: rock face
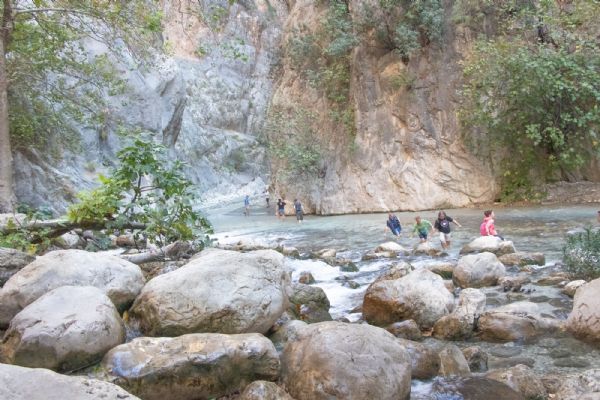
column 309, row 303
column 420, row 295
column 67, row 328
column 478, row 270
column 346, row 361
column 490, row 244
column 584, row 319
column 120, row 280
column 522, row 379
column 520, row 321
column 218, row 291
column 11, row 261
column 262, row 390
column 19, row 383
column 203, row 365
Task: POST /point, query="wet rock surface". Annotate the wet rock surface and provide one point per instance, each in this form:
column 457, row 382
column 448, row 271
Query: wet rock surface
column 478, row 270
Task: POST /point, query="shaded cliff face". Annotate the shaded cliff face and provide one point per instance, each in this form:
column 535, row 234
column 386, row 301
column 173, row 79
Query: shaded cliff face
column 227, row 98
column 407, row 153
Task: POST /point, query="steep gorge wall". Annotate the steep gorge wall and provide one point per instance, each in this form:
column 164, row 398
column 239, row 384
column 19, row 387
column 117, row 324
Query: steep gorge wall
column 209, row 102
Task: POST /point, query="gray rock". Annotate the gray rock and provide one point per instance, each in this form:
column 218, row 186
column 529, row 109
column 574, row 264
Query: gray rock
column 19, row 383
column 584, row 319
column 405, row 330
column 309, row 303
column 68, row 328
column 522, row 379
column 391, row 247
column 11, row 261
column 453, row 362
column 120, row 280
column 426, row 248
column 476, row 358
column 580, row 386
column 396, row 271
column 337, row 360
column 478, row 270
column 263, row 390
column 490, row 244
column 473, row 388
column 219, row 291
column 460, row 324
column 201, row 365
column 306, row 278
column 571, row 288
column 287, row 332
column 522, row 259
column 420, row 295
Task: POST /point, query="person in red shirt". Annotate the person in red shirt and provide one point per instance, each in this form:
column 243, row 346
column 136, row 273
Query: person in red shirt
column 487, row 227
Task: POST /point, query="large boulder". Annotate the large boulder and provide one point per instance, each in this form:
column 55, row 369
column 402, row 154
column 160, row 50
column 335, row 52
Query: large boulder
column 20, row 383
column 420, row 296
column 478, row 270
column 427, row 249
column 67, row 328
column 460, row 324
column 201, row 365
column 218, row 291
column 584, row 319
column 346, row 361
column 263, row 390
column 581, row 386
column 391, row 247
column 490, row 244
column 522, row 379
column 309, row 303
column 522, row 259
column 120, row 280
column 395, row 271
column 11, row 261
column 519, row 321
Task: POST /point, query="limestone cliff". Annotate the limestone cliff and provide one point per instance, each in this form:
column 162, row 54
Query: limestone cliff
column 212, row 100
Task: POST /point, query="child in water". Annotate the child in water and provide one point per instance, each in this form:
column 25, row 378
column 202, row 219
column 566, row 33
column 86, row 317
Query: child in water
column 487, row 227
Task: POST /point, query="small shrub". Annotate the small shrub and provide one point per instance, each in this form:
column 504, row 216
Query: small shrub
column 581, row 254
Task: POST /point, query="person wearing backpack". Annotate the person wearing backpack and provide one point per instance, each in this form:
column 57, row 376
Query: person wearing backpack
column 442, row 225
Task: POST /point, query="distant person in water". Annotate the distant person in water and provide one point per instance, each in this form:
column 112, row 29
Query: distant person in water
column 299, row 211
column 598, row 216
column 442, row 225
column 247, row 205
column 280, row 208
column 393, row 224
column 487, row 227
column 422, row 228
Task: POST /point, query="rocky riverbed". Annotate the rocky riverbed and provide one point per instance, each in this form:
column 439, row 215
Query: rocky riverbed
column 291, row 313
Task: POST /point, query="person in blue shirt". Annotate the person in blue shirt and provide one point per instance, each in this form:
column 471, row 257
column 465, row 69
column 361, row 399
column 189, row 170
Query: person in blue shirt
column 393, row 224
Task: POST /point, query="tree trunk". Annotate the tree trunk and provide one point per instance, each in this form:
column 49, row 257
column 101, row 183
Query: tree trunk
column 7, row 195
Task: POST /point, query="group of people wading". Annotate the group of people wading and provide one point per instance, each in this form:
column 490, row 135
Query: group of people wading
column 280, row 208
column 422, row 227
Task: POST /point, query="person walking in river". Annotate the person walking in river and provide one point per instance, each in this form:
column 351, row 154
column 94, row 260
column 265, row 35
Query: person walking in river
column 487, row 227
column 247, row 205
column 442, row 225
column 280, row 209
column 422, row 228
column 393, row 224
column 299, row 211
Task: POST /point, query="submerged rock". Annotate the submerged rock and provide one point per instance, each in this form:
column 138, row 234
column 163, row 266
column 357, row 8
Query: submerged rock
column 68, row 328
column 420, row 295
column 263, row 390
column 478, row 270
column 202, row 365
column 11, row 262
column 120, row 280
column 522, row 379
column 522, row 259
column 346, row 361
column 490, row 244
column 20, row 383
column 513, row 283
column 218, row 291
column 584, row 319
column 472, row 388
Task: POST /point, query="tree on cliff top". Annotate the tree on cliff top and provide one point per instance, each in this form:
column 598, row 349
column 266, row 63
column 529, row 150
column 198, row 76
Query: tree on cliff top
column 46, row 75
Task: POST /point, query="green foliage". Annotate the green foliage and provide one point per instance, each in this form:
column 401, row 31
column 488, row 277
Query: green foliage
column 581, row 255
column 54, row 81
column 24, row 239
column 537, row 97
column 144, row 189
column 235, row 50
column 294, row 143
column 403, row 26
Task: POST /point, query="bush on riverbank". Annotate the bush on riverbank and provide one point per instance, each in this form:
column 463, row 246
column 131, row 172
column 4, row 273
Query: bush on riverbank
column 581, row 254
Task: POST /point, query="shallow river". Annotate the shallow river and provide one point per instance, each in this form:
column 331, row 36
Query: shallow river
column 532, row 229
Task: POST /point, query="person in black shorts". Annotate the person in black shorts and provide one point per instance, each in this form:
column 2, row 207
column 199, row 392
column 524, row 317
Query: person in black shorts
column 280, row 208
column 442, row 225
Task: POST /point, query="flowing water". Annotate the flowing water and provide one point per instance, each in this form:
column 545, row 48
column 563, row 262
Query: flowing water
column 532, row 229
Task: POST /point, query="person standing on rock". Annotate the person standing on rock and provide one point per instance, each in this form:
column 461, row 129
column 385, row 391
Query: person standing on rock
column 422, row 228
column 247, row 205
column 487, row 227
column 442, row 225
column 299, row 211
column 393, row 224
column 280, row 209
